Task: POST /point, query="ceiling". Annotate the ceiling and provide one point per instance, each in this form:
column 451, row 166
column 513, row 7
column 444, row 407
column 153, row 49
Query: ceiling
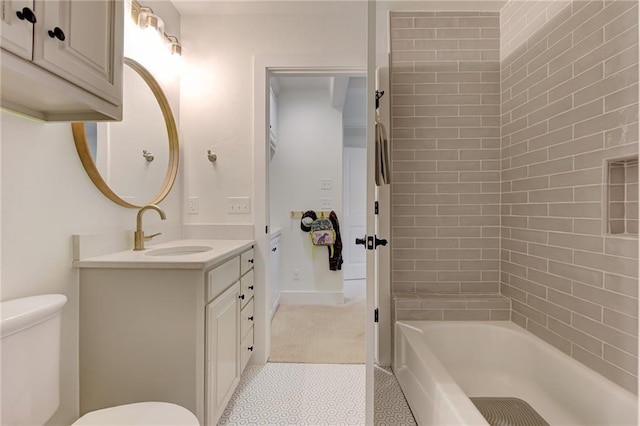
column 354, row 108
column 354, row 113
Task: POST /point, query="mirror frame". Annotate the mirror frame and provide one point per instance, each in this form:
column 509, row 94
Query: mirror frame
column 80, row 140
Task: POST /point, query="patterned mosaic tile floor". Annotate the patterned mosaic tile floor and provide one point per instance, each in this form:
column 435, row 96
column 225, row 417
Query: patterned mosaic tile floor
column 391, row 408
column 313, row 394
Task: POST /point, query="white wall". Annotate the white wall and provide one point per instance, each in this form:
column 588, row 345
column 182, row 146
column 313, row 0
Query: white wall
column 217, row 90
column 47, row 197
column 309, row 149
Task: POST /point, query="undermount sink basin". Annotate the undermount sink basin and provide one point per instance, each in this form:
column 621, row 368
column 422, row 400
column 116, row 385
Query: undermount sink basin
column 177, row 251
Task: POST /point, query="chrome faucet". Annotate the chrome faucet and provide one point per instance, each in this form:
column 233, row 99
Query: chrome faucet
column 138, row 236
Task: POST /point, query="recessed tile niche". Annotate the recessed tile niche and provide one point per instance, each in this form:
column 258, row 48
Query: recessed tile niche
column 622, row 196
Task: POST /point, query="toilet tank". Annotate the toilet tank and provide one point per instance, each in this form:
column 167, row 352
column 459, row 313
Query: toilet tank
column 30, row 374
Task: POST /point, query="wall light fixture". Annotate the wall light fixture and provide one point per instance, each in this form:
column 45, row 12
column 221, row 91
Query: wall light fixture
column 147, row 20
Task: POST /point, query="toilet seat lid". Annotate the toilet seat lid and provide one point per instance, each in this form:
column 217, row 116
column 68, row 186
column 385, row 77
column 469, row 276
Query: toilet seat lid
column 141, row 413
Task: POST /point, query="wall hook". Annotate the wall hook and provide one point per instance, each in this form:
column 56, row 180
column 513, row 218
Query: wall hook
column 147, row 155
column 211, row 156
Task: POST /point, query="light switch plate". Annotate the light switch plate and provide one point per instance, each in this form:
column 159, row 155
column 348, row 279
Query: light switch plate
column 193, row 205
column 238, row 205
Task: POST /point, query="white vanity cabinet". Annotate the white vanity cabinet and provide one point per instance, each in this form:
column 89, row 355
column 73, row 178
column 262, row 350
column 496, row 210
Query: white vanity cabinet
column 274, row 282
column 179, row 333
column 229, row 317
column 62, row 60
column 223, row 350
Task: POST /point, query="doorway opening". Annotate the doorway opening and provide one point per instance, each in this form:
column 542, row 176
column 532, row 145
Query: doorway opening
column 317, row 169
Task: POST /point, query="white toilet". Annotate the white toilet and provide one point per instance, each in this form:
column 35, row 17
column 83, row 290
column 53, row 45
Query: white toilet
column 30, row 331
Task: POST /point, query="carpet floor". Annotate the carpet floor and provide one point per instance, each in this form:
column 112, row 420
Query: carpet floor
column 313, row 334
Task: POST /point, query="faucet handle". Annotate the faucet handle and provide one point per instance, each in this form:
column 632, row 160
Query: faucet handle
column 148, row 237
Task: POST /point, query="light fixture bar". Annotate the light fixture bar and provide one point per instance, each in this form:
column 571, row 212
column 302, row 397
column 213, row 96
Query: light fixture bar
column 153, row 20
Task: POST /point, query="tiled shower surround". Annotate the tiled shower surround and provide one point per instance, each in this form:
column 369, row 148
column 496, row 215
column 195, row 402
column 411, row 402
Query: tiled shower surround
column 568, row 84
column 446, row 152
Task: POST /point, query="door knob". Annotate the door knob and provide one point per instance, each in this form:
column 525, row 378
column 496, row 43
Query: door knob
column 26, row 14
column 250, row 318
column 57, row 33
column 380, row 242
column 250, row 287
column 371, row 242
column 250, row 348
column 241, row 296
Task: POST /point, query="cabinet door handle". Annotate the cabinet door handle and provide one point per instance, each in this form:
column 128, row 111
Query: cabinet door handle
column 57, row 33
column 250, row 287
column 250, row 318
column 241, row 296
column 250, row 261
column 250, row 348
column 26, row 14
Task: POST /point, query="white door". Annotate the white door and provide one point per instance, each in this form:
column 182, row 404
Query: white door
column 355, row 212
column 371, row 266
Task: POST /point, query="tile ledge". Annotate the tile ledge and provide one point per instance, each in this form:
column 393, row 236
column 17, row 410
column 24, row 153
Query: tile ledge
column 448, row 297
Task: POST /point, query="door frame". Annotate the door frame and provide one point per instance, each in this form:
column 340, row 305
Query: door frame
column 264, row 66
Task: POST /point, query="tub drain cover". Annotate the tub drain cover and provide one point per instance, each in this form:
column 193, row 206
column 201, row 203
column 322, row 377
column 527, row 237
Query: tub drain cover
column 508, row 412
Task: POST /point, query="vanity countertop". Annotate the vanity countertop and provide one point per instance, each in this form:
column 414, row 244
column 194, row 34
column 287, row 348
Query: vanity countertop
column 130, row 259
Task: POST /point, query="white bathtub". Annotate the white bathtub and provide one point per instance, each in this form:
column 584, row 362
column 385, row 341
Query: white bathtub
column 441, row 364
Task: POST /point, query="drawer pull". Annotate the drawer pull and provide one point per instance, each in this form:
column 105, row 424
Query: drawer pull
column 241, row 296
column 250, row 348
column 250, row 287
column 26, row 14
column 57, row 33
column 250, row 318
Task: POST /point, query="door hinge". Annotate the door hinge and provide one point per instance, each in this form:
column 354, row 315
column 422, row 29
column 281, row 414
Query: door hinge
column 376, row 317
column 375, row 208
column 266, row 229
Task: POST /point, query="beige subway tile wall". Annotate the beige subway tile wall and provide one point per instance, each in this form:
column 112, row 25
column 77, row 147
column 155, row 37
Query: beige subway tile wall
column 445, row 98
column 569, row 258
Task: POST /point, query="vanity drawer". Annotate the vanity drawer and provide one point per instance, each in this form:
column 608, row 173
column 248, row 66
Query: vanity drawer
column 246, row 261
column 247, row 287
column 246, row 349
column 220, row 278
column 246, row 319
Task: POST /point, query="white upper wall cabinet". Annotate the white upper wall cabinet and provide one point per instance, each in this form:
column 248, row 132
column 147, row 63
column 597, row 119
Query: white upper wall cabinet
column 62, row 60
column 17, row 33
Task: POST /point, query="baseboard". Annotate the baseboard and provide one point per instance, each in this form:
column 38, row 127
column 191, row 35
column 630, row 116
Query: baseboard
column 355, row 286
column 311, row 297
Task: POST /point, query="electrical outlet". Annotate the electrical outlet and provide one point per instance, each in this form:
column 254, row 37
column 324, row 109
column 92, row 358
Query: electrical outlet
column 296, row 274
column 325, row 203
column 238, row 205
column 193, row 205
column 326, row 183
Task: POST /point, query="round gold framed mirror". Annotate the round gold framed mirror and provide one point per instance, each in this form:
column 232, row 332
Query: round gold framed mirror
column 133, row 162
